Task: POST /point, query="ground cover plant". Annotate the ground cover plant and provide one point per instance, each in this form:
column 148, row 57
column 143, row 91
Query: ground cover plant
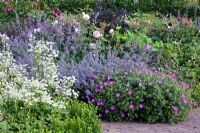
column 130, row 65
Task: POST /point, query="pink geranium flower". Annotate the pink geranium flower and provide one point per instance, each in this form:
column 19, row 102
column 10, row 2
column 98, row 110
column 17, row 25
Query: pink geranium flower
column 174, row 110
column 141, row 106
column 131, row 106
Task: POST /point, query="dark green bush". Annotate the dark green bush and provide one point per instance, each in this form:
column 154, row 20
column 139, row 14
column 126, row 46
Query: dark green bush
column 76, row 118
column 140, row 96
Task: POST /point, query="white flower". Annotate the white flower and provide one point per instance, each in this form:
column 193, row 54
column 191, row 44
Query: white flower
column 92, row 46
column 111, row 31
column 85, row 16
column 55, row 22
column 36, row 30
column 17, row 86
column 77, row 30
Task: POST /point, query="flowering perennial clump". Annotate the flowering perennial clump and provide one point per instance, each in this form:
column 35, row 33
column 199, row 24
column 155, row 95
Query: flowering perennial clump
column 42, row 84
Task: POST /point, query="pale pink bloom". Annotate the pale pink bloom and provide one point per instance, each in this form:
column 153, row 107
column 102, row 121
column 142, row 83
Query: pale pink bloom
column 96, row 34
column 92, row 46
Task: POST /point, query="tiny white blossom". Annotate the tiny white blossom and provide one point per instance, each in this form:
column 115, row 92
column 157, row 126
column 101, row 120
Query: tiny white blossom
column 85, row 16
column 111, row 31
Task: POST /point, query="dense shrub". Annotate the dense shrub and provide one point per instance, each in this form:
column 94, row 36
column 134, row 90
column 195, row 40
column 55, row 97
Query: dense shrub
column 141, row 95
column 16, row 116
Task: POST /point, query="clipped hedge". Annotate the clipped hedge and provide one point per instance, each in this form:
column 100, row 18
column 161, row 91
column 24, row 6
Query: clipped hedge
column 76, row 118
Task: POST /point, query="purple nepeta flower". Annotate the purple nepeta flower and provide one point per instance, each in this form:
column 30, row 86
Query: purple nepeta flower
column 185, row 85
column 174, row 110
column 118, row 94
column 184, row 99
column 147, row 47
column 101, row 87
column 97, row 85
column 107, row 111
column 93, row 100
column 130, row 92
column 141, row 106
column 100, row 103
column 105, row 84
column 131, row 106
column 122, row 113
column 112, row 107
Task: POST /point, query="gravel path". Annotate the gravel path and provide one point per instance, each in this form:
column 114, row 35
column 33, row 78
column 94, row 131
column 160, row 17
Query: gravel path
column 192, row 125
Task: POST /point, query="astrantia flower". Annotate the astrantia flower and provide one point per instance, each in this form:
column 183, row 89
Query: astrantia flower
column 141, row 106
column 187, row 23
column 77, row 30
column 37, row 30
column 56, row 12
column 131, row 106
column 179, row 19
column 96, row 34
column 174, row 110
column 170, row 24
column 111, row 31
column 85, row 16
column 130, row 92
column 140, row 84
column 184, row 99
column 112, row 107
column 188, row 19
column 92, row 46
column 118, row 94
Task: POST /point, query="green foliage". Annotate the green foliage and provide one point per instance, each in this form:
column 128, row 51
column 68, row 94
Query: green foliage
column 195, row 94
column 152, row 95
column 76, row 118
